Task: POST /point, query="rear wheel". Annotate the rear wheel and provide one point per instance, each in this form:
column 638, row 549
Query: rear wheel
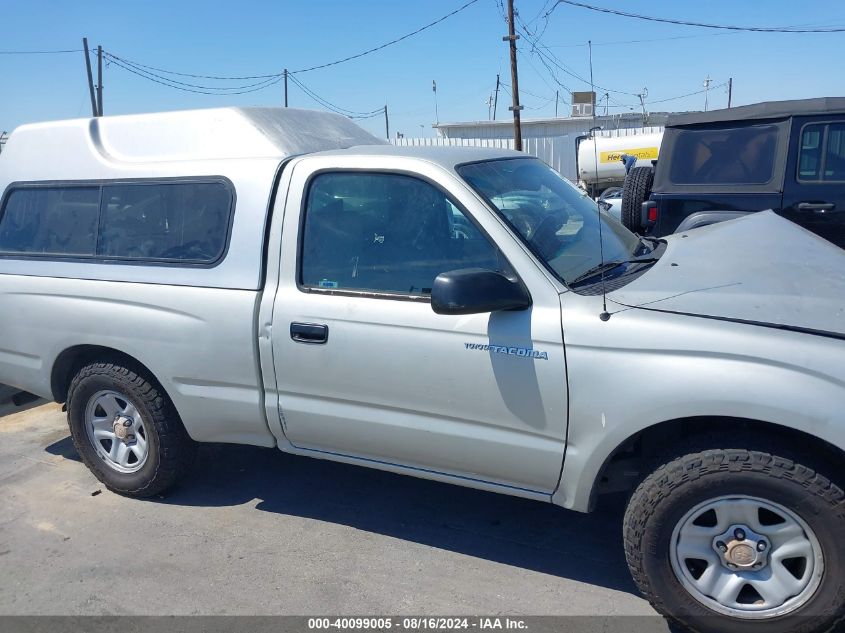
column 126, row 430
column 636, row 190
column 739, row 541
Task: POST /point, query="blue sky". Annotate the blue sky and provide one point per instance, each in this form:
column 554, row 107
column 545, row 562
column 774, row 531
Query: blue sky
column 463, row 54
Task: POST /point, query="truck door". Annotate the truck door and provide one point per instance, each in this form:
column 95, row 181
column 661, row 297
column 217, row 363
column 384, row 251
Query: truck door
column 814, row 189
column 365, row 369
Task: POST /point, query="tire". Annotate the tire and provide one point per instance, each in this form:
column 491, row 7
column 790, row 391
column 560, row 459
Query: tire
column 155, row 437
column 728, row 481
column 635, row 191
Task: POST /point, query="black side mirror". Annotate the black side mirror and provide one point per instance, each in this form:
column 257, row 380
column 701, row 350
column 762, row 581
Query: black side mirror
column 476, row 290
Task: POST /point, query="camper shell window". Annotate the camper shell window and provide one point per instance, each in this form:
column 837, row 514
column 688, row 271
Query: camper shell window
column 170, row 222
column 50, row 221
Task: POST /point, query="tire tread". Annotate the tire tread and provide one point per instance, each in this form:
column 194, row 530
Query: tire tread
column 670, row 476
column 176, row 448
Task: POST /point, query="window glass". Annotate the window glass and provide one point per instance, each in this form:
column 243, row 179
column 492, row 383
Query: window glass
column 385, row 233
column 50, row 221
column 741, row 155
column 179, row 221
column 818, row 139
column 560, row 223
column 809, row 159
column 834, row 159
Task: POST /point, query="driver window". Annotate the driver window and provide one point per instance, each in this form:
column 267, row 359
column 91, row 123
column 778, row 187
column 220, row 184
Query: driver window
column 385, row 233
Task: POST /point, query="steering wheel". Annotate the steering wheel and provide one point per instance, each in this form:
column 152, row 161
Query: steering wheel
column 543, row 238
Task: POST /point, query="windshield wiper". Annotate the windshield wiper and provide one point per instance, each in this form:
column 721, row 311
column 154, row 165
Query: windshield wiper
column 606, row 266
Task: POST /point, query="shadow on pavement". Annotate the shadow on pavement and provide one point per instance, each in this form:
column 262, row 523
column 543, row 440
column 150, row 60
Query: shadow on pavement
column 64, row 448
column 27, row 402
column 509, row 530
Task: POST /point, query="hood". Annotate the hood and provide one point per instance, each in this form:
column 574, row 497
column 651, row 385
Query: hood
column 761, row 269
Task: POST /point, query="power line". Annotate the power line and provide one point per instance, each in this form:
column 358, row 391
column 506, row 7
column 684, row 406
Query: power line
column 643, row 41
column 179, row 74
column 352, row 114
column 386, row 44
column 689, row 94
column 543, row 79
column 221, row 89
column 73, row 50
column 236, row 90
column 704, row 25
column 186, row 89
column 153, row 70
column 547, row 56
column 546, row 100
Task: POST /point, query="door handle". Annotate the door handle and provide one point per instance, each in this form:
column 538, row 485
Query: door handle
column 313, row 333
column 816, row 207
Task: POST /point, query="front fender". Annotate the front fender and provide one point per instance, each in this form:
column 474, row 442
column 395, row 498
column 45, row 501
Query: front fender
column 642, row 368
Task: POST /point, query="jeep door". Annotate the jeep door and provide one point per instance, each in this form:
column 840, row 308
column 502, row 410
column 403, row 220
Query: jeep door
column 365, row 369
column 814, row 191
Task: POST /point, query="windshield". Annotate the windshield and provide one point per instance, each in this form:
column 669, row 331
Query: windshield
column 555, row 219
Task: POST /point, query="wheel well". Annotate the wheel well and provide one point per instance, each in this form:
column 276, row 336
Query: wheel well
column 637, row 456
column 71, row 360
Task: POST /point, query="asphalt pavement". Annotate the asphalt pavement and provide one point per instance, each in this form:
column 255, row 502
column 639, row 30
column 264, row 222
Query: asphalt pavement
column 256, row 531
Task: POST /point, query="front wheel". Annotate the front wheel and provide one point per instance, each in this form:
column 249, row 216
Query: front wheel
column 739, row 541
column 126, row 430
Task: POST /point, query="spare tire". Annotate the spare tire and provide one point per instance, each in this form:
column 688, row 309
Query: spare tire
column 636, row 190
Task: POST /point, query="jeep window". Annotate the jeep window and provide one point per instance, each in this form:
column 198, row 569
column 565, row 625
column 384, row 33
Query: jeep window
column 730, row 156
column 822, row 156
column 181, row 221
column 50, row 221
column 382, row 232
column 556, row 220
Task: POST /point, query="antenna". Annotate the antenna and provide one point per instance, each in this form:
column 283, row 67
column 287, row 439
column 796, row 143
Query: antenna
column 604, row 316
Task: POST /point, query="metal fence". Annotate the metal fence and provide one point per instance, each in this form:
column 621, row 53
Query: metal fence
column 554, row 151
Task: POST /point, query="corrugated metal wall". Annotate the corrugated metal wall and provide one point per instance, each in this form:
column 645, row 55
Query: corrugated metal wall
column 541, row 128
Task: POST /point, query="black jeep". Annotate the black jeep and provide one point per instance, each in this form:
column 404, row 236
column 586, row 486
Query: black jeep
column 783, row 155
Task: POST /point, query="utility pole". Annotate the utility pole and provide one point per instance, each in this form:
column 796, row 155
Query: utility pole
column 286, row 87
column 706, row 84
column 642, row 97
column 489, row 103
column 434, row 89
column 99, row 80
column 606, row 102
column 90, row 76
column 730, row 89
column 512, row 37
column 386, row 124
column 557, row 96
column 496, row 97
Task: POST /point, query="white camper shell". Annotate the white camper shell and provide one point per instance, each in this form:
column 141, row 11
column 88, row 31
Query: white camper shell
column 239, row 148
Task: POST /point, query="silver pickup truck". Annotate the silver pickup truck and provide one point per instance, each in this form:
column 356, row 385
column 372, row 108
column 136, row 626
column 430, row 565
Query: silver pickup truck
column 281, row 278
